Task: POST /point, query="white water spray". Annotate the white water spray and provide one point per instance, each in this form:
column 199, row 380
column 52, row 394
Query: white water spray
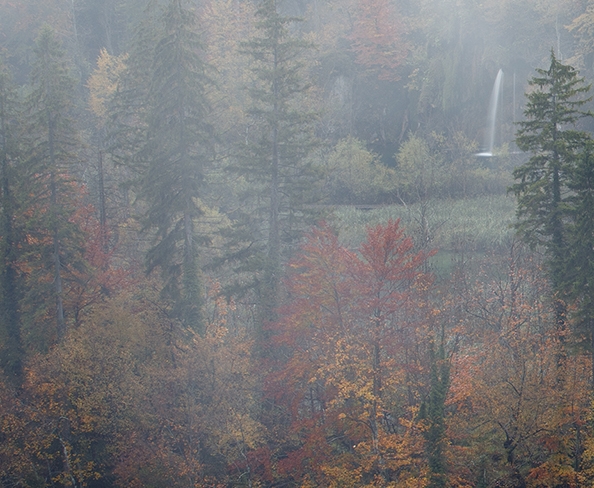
column 492, row 116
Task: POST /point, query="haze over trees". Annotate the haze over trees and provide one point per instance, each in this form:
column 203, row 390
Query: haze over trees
column 250, row 243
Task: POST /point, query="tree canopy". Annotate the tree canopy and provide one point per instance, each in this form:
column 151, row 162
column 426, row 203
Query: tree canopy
column 251, row 243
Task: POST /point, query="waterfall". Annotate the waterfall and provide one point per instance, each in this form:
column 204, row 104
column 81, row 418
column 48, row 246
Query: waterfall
column 492, row 116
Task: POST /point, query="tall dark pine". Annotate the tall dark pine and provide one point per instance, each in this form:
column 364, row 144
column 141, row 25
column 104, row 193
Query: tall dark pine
column 51, row 150
column 274, row 157
column 549, row 133
column 11, row 353
column 174, row 158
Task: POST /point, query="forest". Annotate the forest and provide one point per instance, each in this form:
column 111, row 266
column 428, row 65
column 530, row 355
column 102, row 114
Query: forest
column 296, row 243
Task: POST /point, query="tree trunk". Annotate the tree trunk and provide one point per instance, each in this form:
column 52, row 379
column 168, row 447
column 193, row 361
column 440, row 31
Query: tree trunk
column 61, row 323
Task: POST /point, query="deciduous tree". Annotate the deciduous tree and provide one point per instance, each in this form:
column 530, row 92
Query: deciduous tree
column 353, row 331
column 378, row 38
column 521, row 425
column 355, row 175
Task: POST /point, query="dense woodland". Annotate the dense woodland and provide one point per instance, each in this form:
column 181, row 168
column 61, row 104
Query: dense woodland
column 250, row 243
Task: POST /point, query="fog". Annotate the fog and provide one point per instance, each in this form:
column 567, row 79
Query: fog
column 296, row 243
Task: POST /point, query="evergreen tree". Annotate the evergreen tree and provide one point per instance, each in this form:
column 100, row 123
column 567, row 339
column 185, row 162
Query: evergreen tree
column 174, row 159
column 274, row 156
column 55, row 242
column 435, row 435
column 127, row 108
column 549, row 133
column 580, row 268
column 10, row 283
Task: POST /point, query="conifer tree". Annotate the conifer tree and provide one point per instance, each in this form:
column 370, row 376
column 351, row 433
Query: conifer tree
column 274, row 156
column 580, row 263
column 435, row 435
column 550, row 135
column 10, row 284
column 174, row 159
column 54, row 241
column 127, row 108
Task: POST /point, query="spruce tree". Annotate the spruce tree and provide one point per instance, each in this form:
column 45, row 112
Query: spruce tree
column 11, row 353
column 549, row 133
column 277, row 144
column 55, row 242
column 174, row 159
column 127, row 108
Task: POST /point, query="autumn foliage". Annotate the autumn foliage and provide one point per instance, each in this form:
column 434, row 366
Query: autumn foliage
column 513, row 388
column 378, row 375
column 349, row 333
column 271, row 352
column 130, row 399
column 378, row 38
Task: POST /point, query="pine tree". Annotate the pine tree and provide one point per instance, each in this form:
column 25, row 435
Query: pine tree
column 549, row 133
column 54, row 242
column 175, row 157
column 10, row 282
column 274, row 156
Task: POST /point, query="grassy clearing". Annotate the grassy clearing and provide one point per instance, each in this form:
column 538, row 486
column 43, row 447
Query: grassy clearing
column 473, row 225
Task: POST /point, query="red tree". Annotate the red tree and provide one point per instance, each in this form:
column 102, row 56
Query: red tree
column 377, row 38
column 347, row 330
